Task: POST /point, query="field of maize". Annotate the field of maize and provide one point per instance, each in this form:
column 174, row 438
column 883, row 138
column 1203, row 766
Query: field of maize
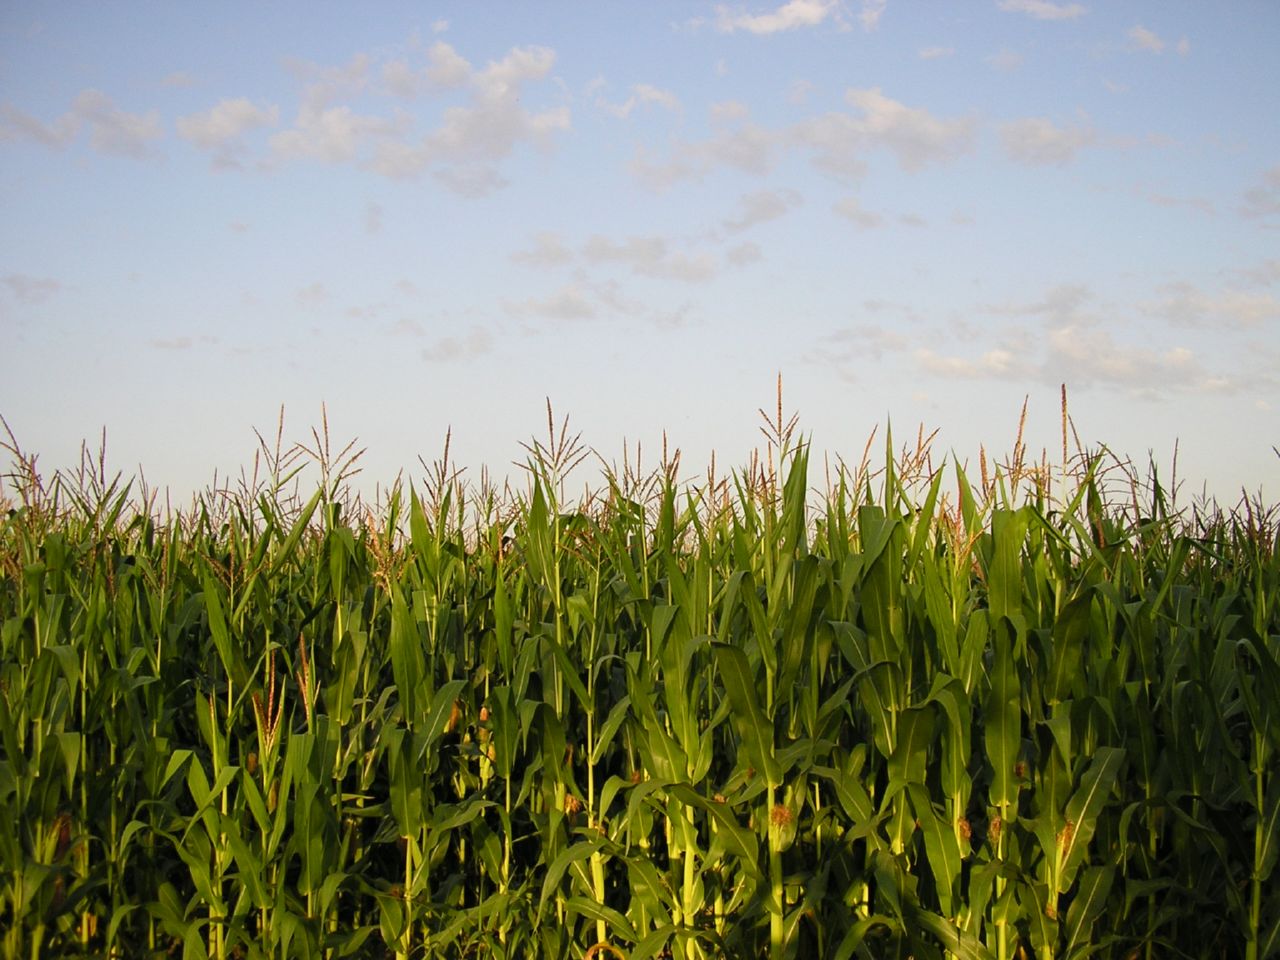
column 900, row 711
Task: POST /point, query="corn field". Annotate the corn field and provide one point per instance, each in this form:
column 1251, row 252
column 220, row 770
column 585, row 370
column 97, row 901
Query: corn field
column 790, row 712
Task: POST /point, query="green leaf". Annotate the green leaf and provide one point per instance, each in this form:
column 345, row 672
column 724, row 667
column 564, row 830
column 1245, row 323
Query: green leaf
column 1087, row 906
column 1002, row 731
column 755, row 729
column 737, row 839
column 942, row 848
column 1070, row 631
column 1083, row 808
column 1004, row 574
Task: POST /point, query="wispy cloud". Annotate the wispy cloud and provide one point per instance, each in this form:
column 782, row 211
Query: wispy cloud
column 839, row 141
column 221, row 130
column 448, row 349
column 728, row 111
column 1044, row 9
column 651, row 257
column 372, row 217
column 762, row 206
column 790, row 16
column 548, row 250
column 836, row 142
column 1037, row 141
column 15, row 125
column 30, row 289
column 1145, row 39
column 464, row 148
column 1262, row 202
column 935, row 53
column 1086, row 344
column 870, row 14
column 312, row 294
column 572, row 302
column 748, row 148
column 116, row 131
column 111, row 130
column 852, row 210
column 641, row 94
column 1184, row 304
column 799, row 91
column 1005, row 60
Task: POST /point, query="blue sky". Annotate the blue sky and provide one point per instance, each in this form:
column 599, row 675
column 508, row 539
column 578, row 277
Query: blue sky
column 435, row 215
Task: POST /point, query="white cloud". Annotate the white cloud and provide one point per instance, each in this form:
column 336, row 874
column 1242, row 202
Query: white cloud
column 998, row 362
column 744, row 253
column 1200, row 204
column 471, row 180
column 372, row 217
column 173, row 343
column 30, row 289
column 326, row 84
column 1184, row 47
column 313, row 294
column 179, row 78
column 853, row 211
column 221, row 129
column 571, row 302
column 494, row 122
column 1086, row 356
column 467, row 144
column 1061, row 304
column 1083, row 356
column 650, row 256
column 641, row 93
column 1186, row 305
column 789, row 16
column 1077, row 345
column 836, row 142
column 748, row 148
column 446, row 68
column 17, row 125
column 761, row 206
column 111, row 130
column 799, row 91
column 1263, row 201
column 862, row 341
column 548, row 251
column 1044, row 9
column 935, row 53
column 1264, row 274
column 331, row 134
column 1036, row 141
column 872, row 11
column 1006, row 61
column 728, row 111
column 406, row 327
column 1146, row 39
column 440, row 26
column 915, row 136
column 447, row 349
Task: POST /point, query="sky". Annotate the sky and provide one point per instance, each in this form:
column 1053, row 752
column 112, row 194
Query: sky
column 426, row 217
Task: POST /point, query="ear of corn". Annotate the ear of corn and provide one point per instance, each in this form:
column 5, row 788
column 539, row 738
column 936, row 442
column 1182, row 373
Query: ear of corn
column 911, row 716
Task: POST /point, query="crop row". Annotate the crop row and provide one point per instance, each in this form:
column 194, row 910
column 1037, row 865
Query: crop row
column 709, row 721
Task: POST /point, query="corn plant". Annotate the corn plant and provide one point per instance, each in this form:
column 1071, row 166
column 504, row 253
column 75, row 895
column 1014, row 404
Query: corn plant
column 1027, row 710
